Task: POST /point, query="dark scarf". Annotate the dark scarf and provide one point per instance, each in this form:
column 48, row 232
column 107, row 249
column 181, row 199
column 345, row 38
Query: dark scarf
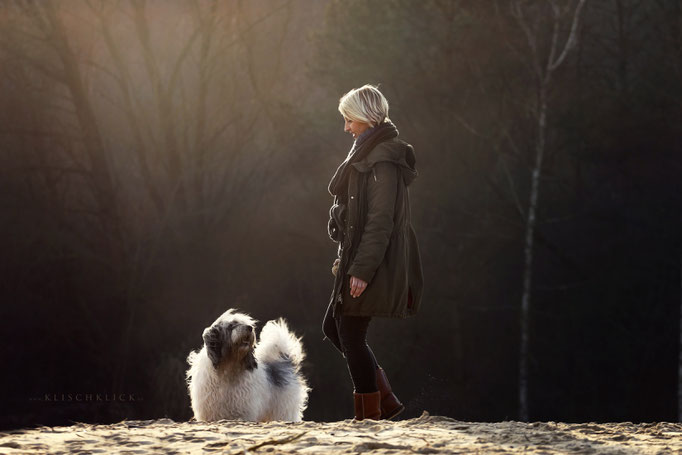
column 338, row 186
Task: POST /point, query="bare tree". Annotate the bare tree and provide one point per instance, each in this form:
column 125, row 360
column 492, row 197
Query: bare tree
column 160, row 129
column 543, row 66
column 126, row 87
column 200, row 125
column 45, row 24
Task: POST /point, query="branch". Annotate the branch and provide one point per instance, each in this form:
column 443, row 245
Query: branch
column 249, row 27
column 44, row 69
column 470, row 128
column 571, row 37
column 181, row 58
column 269, row 442
column 102, row 68
column 556, row 15
column 517, row 13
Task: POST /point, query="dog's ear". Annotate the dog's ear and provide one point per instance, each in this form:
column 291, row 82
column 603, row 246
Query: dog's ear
column 250, row 361
column 213, row 344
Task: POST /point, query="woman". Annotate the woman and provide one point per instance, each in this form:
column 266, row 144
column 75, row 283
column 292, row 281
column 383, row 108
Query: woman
column 378, row 270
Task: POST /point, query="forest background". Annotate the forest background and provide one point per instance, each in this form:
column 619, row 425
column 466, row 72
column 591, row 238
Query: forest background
column 163, row 161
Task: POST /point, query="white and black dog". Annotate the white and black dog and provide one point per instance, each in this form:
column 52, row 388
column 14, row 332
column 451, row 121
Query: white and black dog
column 234, row 377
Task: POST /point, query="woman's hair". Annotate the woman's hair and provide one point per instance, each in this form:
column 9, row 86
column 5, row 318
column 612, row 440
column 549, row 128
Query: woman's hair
column 365, row 104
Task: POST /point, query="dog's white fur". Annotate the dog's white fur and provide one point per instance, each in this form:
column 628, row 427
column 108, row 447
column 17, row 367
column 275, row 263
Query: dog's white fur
column 244, row 380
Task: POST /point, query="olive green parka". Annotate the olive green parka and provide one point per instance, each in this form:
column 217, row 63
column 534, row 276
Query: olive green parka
column 379, row 245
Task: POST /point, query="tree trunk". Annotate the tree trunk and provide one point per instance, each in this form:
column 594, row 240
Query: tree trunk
column 528, row 256
column 543, row 68
column 102, row 180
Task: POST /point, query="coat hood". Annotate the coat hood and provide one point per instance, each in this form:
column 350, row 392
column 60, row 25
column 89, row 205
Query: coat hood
column 396, row 151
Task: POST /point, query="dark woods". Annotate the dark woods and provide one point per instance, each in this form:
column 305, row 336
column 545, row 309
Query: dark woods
column 164, row 161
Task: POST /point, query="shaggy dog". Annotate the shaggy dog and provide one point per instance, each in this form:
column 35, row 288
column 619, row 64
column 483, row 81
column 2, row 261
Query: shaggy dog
column 233, row 377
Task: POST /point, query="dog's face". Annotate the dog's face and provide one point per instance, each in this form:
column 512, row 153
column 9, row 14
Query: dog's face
column 230, row 341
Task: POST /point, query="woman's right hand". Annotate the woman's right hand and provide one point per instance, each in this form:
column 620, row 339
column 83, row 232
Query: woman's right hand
column 335, row 266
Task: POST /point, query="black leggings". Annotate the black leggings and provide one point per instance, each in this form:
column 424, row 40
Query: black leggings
column 349, row 335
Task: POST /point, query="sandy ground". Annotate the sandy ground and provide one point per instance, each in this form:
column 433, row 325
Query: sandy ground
column 423, row 435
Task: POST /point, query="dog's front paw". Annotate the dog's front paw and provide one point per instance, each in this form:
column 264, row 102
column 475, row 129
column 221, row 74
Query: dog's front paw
column 213, row 343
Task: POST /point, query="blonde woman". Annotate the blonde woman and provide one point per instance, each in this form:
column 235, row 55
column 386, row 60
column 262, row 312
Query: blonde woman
column 378, row 270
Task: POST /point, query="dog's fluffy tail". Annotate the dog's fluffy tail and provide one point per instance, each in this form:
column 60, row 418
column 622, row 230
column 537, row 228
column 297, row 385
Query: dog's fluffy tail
column 277, row 343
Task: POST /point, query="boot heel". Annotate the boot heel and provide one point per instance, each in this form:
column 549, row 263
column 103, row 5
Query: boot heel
column 390, row 405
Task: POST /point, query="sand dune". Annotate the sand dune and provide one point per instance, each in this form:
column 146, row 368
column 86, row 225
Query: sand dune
column 423, row 435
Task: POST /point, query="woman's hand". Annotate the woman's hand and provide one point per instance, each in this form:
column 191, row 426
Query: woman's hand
column 357, row 286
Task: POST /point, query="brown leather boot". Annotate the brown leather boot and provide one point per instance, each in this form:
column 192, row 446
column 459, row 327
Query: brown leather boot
column 390, row 405
column 367, row 405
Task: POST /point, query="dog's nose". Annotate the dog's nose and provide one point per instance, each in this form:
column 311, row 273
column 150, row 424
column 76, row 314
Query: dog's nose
column 210, row 333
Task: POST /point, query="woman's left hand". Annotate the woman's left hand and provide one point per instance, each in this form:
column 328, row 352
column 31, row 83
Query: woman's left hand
column 357, row 286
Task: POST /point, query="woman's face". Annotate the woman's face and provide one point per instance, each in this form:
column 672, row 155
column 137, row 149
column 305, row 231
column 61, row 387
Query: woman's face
column 354, row 127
